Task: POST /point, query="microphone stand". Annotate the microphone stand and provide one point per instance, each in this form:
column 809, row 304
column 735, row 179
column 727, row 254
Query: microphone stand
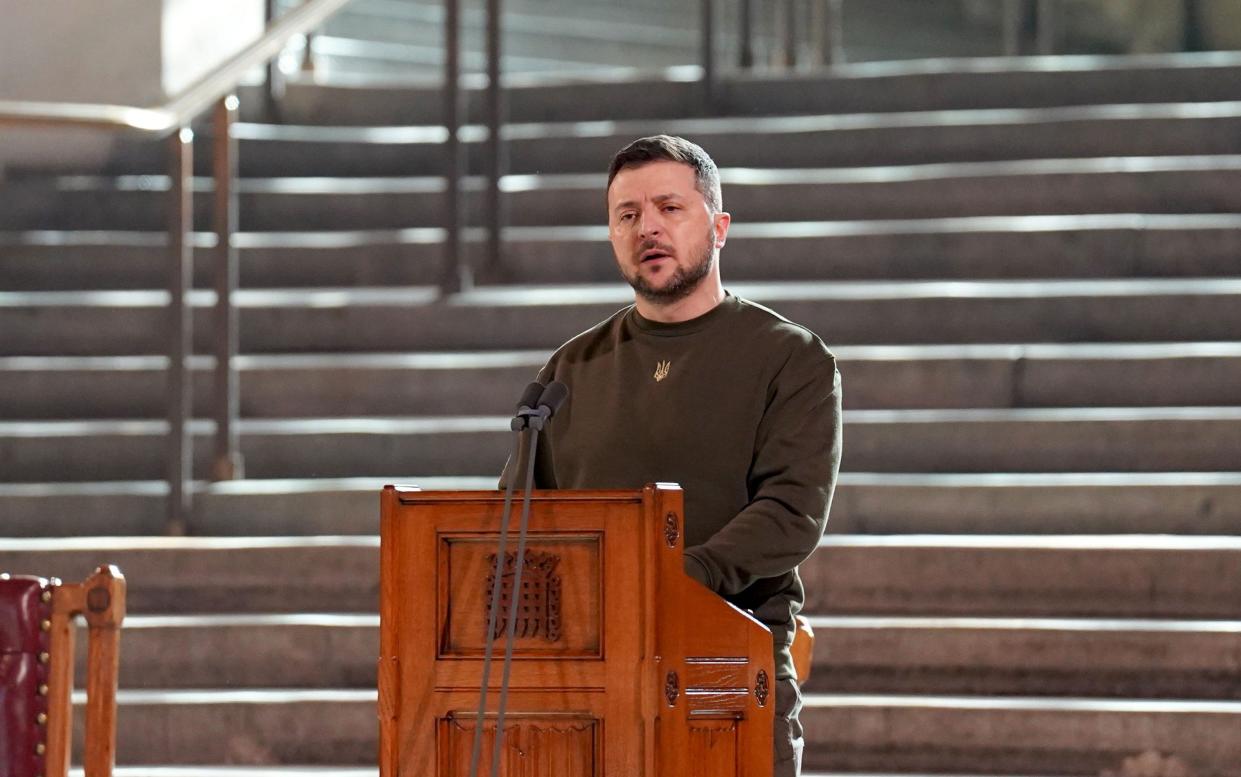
column 534, row 419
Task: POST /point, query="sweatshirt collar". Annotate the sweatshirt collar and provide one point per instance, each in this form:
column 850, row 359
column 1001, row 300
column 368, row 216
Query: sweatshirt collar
column 679, row 328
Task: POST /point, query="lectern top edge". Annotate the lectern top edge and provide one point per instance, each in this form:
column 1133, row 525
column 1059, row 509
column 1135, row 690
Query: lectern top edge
column 409, row 493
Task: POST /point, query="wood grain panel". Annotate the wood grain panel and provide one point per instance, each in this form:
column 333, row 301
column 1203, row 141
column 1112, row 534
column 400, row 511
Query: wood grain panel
column 713, row 747
column 702, row 672
column 534, row 745
column 730, row 703
column 465, row 567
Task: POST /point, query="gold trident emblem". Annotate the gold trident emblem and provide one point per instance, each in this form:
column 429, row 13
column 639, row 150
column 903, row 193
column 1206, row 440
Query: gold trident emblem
column 661, row 370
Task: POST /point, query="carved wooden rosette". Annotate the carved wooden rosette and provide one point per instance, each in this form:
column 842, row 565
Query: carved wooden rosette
column 762, row 689
column 672, row 529
column 672, row 688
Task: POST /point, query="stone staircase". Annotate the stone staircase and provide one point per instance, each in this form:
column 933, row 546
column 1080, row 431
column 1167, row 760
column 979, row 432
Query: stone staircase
column 400, row 40
column 1030, row 276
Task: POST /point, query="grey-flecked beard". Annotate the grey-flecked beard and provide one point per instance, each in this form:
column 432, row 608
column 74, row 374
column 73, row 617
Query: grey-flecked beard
column 684, row 280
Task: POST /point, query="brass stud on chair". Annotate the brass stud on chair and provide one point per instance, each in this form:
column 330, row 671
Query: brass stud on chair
column 43, row 689
column 46, row 625
column 42, row 718
column 47, row 597
column 44, row 657
column 40, row 748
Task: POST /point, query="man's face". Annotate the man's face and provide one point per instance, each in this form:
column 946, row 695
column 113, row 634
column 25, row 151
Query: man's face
column 662, row 230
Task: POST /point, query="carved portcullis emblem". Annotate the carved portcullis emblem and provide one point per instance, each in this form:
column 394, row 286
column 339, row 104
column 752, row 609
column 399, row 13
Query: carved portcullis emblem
column 661, row 370
column 538, row 604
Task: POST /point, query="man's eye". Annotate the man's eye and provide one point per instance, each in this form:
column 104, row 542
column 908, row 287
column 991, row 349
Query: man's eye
column 625, row 217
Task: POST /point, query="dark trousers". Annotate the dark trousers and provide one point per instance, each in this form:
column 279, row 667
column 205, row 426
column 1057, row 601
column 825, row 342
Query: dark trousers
column 788, row 733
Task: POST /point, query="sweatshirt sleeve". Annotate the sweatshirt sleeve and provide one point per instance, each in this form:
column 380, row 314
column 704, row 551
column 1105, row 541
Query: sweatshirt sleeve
column 791, row 481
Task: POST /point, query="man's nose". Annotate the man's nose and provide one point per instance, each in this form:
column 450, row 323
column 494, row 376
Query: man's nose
column 650, row 222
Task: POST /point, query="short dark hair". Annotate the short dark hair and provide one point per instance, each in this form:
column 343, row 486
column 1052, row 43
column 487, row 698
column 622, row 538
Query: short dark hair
column 661, row 148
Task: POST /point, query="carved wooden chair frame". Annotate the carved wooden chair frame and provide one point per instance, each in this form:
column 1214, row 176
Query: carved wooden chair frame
column 100, row 600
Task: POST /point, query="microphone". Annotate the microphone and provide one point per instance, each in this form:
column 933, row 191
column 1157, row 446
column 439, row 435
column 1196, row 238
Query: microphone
column 552, row 398
column 529, row 400
column 538, row 404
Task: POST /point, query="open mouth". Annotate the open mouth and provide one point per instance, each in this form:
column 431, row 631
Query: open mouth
column 653, row 255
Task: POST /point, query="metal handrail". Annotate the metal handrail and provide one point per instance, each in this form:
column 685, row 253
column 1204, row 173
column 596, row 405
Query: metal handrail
column 191, row 103
column 171, row 121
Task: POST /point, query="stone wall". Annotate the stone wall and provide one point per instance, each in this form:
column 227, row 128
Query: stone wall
column 123, row 52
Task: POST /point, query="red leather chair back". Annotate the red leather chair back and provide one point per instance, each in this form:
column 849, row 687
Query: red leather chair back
column 24, row 646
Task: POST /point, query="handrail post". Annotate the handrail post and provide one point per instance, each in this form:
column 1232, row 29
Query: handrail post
column 787, row 11
column 180, row 457
column 1013, row 22
column 496, row 157
column 1047, row 27
column 273, row 86
column 710, row 78
column 308, row 54
column 745, row 35
column 1193, row 37
column 456, row 274
column 227, row 464
column 831, row 28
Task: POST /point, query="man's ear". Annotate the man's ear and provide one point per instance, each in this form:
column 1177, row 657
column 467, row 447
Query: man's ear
column 721, row 222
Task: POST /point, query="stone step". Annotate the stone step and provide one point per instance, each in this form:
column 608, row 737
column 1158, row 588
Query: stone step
column 185, row 575
column 553, row 35
column 809, row 141
column 1130, row 576
column 1027, row 656
column 1194, row 439
column 328, row 727
column 1191, row 184
column 532, row 42
column 1056, row 503
column 107, row 323
column 305, row 507
column 464, row 383
column 1083, row 246
column 1003, row 735
column 1134, row 576
column 305, row 650
column 934, row 84
column 903, row 30
column 595, row 22
column 844, row 732
column 998, row 656
column 348, row 59
column 865, row 503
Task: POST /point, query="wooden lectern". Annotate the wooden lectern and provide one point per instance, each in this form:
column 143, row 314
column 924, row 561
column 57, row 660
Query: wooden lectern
column 623, row 666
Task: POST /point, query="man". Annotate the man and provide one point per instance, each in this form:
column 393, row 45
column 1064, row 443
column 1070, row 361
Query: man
column 693, row 385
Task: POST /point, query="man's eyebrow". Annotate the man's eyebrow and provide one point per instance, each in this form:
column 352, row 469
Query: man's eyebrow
column 658, row 198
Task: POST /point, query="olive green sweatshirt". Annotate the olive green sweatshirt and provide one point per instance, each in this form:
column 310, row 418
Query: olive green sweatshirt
column 739, row 406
